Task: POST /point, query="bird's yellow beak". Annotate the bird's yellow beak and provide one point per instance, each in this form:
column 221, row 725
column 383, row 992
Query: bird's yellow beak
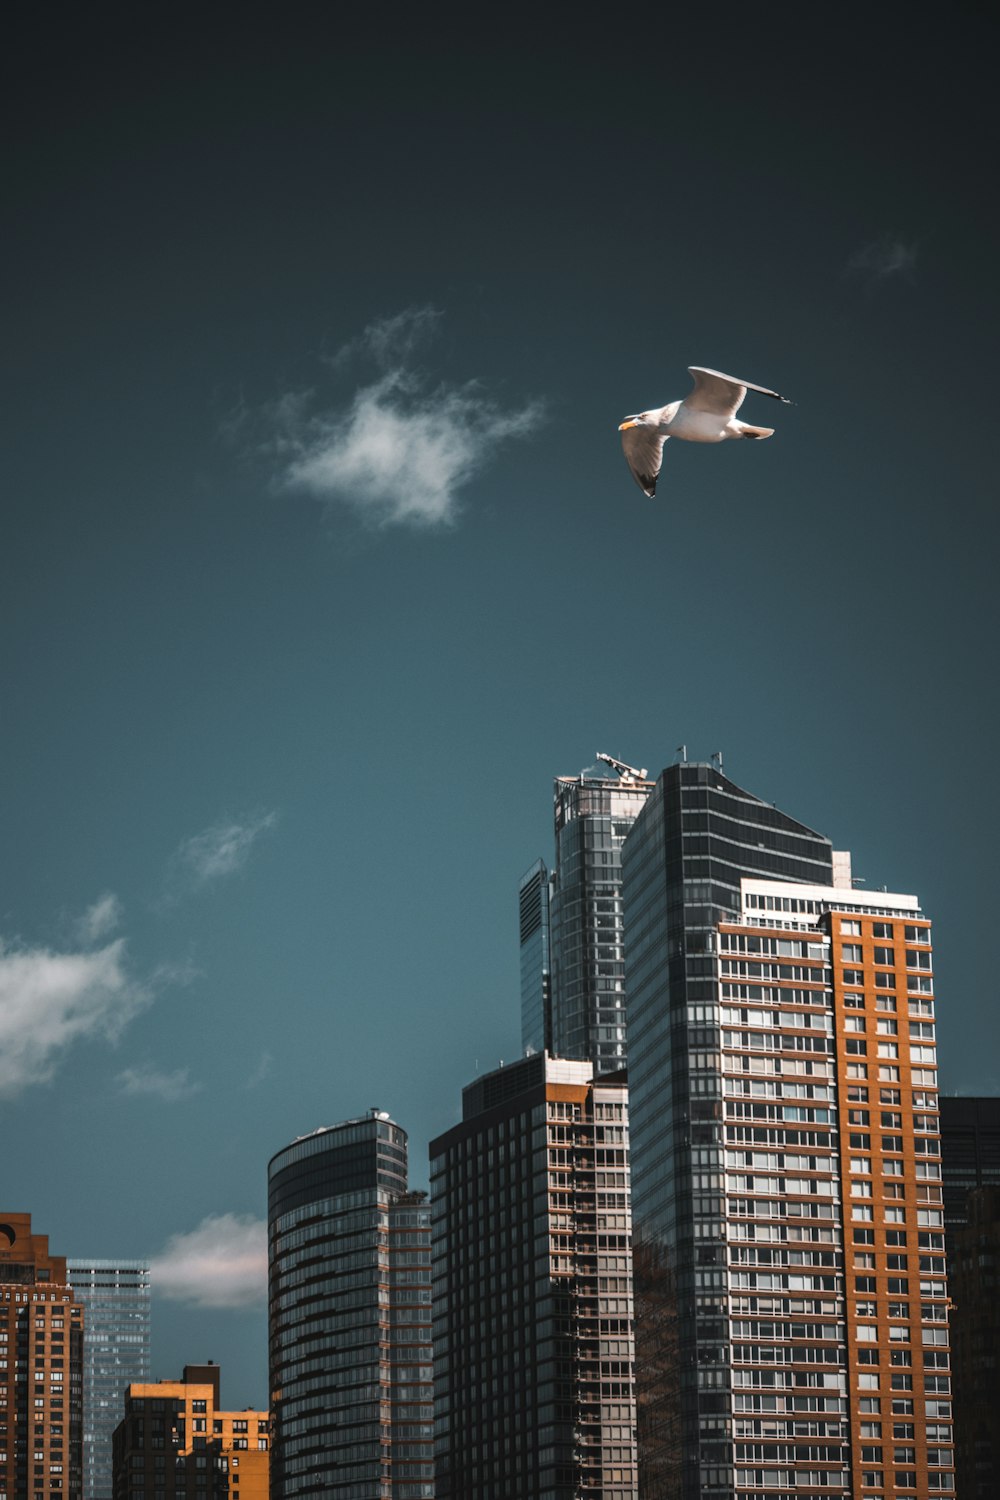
column 624, row 426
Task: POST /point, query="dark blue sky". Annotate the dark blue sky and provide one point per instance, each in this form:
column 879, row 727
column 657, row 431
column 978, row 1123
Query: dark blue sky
column 320, row 558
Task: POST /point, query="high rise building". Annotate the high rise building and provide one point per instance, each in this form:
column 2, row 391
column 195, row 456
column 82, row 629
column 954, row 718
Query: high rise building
column 536, row 960
column 791, row 1309
column 593, row 815
column 115, row 1296
column 174, row 1443
column 533, row 1336
column 970, row 1150
column 349, row 1317
column 41, row 1356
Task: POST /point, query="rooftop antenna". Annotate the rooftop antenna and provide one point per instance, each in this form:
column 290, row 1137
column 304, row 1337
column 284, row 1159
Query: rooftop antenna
column 626, row 773
column 682, row 751
column 717, row 757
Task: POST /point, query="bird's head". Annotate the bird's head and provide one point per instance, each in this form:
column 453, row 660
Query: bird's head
column 638, row 420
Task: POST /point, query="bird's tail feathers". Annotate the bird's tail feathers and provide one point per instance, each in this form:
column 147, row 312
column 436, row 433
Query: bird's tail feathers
column 755, row 432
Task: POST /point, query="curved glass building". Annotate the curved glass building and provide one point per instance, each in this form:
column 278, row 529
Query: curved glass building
column 349, row 1317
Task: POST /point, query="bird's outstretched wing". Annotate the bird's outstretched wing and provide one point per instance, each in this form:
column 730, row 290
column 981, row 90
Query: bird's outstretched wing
column 643, row 449
column 722, row 394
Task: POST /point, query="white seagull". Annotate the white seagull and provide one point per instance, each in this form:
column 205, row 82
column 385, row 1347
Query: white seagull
column 707, row 415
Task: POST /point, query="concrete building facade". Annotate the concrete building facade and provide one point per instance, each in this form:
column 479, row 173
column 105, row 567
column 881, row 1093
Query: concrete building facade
column 176, row 1443
column 533, row 1338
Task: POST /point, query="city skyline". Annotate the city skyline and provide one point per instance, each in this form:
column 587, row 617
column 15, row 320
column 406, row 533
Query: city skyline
column 321, row 559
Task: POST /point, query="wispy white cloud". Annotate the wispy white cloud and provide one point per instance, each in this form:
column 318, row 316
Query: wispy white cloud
column 100, row 919
column 261, row 1071
column 221, row 1263
column 887, row 256
column 402, row 448
column 150, row 1082
column 50, row 1000
column 220, row 850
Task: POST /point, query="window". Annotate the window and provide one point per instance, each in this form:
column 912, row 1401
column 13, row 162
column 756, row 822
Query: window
column 851, row 953
column 851, row 929
column 885, row 956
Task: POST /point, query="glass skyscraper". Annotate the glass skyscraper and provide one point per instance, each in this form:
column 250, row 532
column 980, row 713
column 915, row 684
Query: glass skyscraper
column 536, row 960
column 791, row 1308
column 593, row 815
column 349, row 1318
column 116, row 1352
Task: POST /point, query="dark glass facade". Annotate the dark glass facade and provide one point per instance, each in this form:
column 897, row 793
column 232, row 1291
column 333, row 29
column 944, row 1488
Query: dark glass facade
column 593, row 815
column 349, row 1318
column 697, row 835
column 115, row 1294
column 970, row 1144
column 970, row 1148
column 536, row 964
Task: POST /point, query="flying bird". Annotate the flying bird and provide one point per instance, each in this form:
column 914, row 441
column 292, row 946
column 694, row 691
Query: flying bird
column 707, row 415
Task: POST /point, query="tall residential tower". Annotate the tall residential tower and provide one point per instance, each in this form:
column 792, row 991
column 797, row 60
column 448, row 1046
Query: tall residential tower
column 533, row 1341
column 791, row 1309
column 349, row 1318
column 41, row 1362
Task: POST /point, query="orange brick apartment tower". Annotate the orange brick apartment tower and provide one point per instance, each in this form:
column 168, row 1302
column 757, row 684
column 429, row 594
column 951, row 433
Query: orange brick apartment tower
column 837, row 1260
column 175, row 1444
column 41, row 1352
column 790, row 1285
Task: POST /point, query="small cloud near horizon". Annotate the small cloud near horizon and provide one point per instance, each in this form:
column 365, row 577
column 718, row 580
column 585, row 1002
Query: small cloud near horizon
column 222, row 1263
column 49, row 1001
column 402, row 448
column 218, row 851
column 147, row 1081
column 889, row 255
